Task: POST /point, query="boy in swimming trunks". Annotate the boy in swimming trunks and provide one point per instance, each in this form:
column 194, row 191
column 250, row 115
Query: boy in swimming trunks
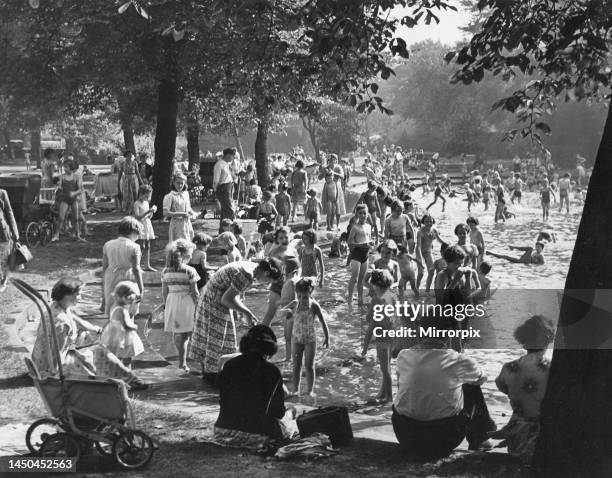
column 398, row 226
column 438, row 195
column 476, row 237
column 329, row 198
column 517, row 194
column 485, row 283
column 545, row 194
column 370, row 199
column 564, row 190
column 359, row 241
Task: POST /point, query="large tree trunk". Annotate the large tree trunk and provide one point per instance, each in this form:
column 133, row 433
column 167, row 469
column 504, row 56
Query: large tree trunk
column 193, row 140
column 165, row 141
column 126, row 117
column 35, row 145
column 128, row 137
column 576, row 419
column 263, row 166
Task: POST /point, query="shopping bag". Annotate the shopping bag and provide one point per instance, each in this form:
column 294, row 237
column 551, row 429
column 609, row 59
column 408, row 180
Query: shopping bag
column 332, row 421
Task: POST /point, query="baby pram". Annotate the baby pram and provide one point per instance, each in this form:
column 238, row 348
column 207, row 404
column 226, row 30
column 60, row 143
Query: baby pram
column 83, row 411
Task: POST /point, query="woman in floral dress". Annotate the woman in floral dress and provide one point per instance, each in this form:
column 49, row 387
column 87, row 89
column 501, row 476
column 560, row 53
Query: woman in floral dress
column 9, row 234
column 129, row 180
column 121, row 261
column 214, row 332
column 177, row 207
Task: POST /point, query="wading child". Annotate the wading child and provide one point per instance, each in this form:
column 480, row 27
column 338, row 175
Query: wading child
column 408, row 267
column 180, row 294
column 524, row 381
column 329, row 198
column 471, row 251
column 120, row 335
column 370, row 199
column 438, row 195
column 501, row 202
column 288, row 296
column 388, row 252
column 530, row 256
column 227, row 242
column 198, row 261
column 359, row 241
column 241, row 243
column 425, row 237
column 476, row 237
column 143, row 213
column 545, row 194
column 398, row 226
column 311, row 257
column 485, row 283
column 313, row 209
column 380, row 282
column 283, row 206
column 305, row 311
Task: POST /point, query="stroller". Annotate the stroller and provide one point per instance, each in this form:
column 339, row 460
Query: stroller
column 84, row 412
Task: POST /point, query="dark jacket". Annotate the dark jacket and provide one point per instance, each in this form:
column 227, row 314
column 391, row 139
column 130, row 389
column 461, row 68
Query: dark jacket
column 251, row 395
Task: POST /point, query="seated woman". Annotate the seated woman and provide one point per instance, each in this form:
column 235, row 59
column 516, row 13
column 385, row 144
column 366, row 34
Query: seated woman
column 439, row 401
column 524, row 381
column 252, row 394
column 530, row 256
column 70, row 330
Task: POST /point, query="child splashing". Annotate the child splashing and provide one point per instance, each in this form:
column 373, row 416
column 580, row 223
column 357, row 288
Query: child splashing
column 359, row 241
column 304, row 310
column 381, row 281
column 120, row 335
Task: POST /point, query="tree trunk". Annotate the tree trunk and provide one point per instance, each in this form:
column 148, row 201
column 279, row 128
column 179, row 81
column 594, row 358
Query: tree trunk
column 576, row 416
column 193, row 140
column 310, row 126
column 165, row 141
column 262, row 164
column 128, row 134
column 35, row 144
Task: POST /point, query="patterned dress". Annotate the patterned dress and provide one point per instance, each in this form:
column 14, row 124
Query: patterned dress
column 214, row 332
column 180, row 308
column 120, row 253
column 180, row 227
column 304, row 331
column 8, row 229
column 129, row 184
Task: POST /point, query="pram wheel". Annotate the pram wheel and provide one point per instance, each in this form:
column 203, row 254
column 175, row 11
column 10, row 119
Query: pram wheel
column 32, row 234
column 46, row 233
column 133, row 449
column 39, row 431
column 61, row 444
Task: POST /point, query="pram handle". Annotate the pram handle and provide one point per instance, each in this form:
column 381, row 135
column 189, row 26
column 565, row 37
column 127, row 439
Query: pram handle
column 48, row 329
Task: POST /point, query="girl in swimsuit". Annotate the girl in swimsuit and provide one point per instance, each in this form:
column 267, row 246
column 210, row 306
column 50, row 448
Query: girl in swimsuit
column 398, row 225
column 476, row 237
column 425, row 238
column 359, row 241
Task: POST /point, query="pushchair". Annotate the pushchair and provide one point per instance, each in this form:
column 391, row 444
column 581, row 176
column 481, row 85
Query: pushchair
column 84, row 412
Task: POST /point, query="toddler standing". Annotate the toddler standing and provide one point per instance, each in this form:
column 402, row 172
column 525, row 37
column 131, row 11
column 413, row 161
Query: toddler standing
column 143, row 213
column 120, row 335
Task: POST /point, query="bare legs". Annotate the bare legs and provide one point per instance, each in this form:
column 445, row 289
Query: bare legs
column 181, row 340
column 358, row 271
column 307, row 353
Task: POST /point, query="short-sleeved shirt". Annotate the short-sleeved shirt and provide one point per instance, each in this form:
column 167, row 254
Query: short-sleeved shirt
column 430, row 381
column 180, row 281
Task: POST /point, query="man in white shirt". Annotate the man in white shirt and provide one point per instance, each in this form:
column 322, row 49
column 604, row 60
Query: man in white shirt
column 439, row 401
column 223, row 184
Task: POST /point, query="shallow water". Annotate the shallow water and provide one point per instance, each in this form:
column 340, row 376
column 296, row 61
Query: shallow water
column 522, row 291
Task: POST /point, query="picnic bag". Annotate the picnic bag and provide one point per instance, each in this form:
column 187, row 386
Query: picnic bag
column 20, row 255
column 332, row 421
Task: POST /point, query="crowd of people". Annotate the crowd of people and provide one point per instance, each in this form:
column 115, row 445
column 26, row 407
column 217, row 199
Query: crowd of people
column 389, row 244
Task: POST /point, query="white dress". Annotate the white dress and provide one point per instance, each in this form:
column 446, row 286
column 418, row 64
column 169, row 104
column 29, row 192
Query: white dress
column 180, row 308
column 123, row 342
column 180, row 227
column 141, row 207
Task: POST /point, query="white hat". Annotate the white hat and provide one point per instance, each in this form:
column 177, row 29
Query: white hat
column 218, row 154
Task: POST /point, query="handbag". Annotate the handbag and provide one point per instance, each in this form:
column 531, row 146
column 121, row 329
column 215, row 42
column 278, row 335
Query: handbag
column 332, row 421
column 20, row 255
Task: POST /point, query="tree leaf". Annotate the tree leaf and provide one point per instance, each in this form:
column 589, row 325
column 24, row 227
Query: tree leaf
column 374, row 88
column 543, row 127
column 125, row 6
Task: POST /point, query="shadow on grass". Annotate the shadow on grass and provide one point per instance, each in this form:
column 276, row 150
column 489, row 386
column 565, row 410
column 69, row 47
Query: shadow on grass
column 363, row 458
column 19, row 381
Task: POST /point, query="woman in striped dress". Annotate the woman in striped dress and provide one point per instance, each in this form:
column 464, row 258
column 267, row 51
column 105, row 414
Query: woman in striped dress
column 214, row 332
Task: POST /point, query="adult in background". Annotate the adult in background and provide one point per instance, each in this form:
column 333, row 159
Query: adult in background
column 214, row 332
column 48, row 168
column 439, row 401
column 121, row 261
column 177, row 206
column 9, row 234
column 68, row 197
column 335, row 168
column 223, row 184
column 129, row 181
column 145, row 169
column 251, row 395
column 299, row 185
